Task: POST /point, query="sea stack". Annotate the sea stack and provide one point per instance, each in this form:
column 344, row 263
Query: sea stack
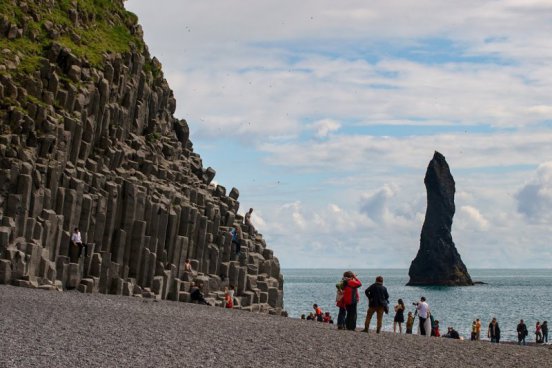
column 438, row 261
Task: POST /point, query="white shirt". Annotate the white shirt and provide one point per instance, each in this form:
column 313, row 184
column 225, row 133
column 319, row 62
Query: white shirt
column 422, row 308
column 76, row 237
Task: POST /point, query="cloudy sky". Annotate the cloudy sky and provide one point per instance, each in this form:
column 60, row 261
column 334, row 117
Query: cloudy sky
column 325, row 115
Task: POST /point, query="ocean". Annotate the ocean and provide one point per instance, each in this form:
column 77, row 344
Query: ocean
column 509, row 295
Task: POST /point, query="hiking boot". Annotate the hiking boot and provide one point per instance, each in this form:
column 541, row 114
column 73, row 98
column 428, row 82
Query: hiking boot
column 365, row 330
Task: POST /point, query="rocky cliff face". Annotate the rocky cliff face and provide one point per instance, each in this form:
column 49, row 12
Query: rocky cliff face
column 438, row 261
column 89, row 140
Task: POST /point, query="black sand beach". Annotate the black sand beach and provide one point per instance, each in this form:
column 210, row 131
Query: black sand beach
column 62, row 329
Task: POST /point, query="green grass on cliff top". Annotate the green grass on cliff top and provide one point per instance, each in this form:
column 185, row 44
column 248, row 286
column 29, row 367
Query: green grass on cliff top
column 108, row 33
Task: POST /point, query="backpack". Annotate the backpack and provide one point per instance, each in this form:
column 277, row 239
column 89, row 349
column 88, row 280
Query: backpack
column 339, row 295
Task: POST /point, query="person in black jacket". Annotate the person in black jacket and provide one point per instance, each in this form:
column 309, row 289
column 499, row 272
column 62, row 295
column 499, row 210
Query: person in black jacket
column 378, row 302
column 494, row 331
column 522, row 332
column 197, row 295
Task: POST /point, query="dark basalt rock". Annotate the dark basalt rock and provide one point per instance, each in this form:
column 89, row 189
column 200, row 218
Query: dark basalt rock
column 95, row 145
column 438, row 261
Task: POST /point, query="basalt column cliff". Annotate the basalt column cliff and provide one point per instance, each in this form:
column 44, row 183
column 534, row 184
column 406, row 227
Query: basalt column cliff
column 438, row 261
column 88, row 139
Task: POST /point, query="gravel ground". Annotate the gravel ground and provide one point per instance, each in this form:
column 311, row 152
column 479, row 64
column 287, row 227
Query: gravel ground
column 54, row 329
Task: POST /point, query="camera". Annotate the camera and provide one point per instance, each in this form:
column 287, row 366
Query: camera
column 415, row 303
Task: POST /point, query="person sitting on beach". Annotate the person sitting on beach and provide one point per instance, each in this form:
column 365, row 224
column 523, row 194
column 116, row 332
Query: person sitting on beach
column 452, row 334
column 310, row 317
column 318, row 313
column 327, row 318
column 196, row 294
column 522, row 332
column 303, row 317
column 248, row 222
column 409, row 323
column 378, row 302
column 435, row 329
column 341, row 305
column 544, row 328
column 229, row 297
column 350, row 298
column 399, row 315
column 538, row 333
column 494, row 331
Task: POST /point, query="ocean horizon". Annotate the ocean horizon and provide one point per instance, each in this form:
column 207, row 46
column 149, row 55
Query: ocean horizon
column 509, row 294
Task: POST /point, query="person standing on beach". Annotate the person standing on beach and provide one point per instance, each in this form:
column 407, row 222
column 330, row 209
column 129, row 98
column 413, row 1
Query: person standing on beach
column 378, row 302
column 494, row 331
column 423, row 313
column 522, row 332
column 350, row 298
column 399, row 316
column 538, row 333
column 544, row 328
column 409, row 323
column 341, row 305
column 474, row 331
column 478, row 331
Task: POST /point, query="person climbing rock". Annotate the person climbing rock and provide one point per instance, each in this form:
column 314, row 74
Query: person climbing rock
column 248, row 222
column 77, row 241
column 236, row 238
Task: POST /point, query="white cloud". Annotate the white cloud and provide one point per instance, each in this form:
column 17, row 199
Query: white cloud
column 534, row 199
column 259, row 74
column 323, row 128
column 375, row 205
column 464, row 150
column 469, row 218
column 248, row 77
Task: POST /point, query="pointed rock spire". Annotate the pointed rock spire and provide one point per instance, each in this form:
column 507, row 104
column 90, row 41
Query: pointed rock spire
column 438, row 261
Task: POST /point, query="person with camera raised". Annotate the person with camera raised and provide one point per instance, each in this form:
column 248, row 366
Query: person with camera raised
column 423, row 314
column 378, row 302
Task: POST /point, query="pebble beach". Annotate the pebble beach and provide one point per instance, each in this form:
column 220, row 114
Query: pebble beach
column 61, row 329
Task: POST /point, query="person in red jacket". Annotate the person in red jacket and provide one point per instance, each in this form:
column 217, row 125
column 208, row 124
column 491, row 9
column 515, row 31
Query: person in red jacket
column 229, row 297
column 318, row 313
column 350, row 298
